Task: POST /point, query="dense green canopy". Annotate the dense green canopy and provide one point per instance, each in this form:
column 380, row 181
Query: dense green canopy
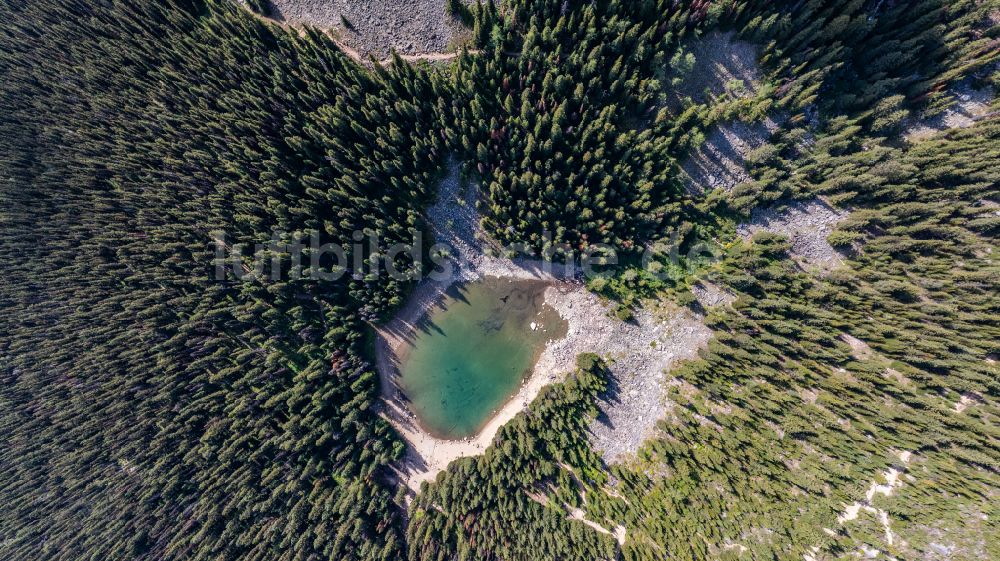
column 149, row 410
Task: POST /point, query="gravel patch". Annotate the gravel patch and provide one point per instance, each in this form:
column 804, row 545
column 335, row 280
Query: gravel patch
column 966, row 400
column 720, row 162
column 807, row 224
column 720, row 60
column 859, row 349
column 723, row 65
column 641, row 354
column 970, row 106
column 376, row 27
column 711, row 295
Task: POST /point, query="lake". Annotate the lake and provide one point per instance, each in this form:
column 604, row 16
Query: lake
column 470, row 354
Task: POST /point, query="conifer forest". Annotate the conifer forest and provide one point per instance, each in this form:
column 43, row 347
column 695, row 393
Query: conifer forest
column 845, row 404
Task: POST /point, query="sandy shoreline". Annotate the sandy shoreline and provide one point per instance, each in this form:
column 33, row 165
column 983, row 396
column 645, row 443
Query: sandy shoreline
column 455, row 223
column 427, row 455
column 640, row 354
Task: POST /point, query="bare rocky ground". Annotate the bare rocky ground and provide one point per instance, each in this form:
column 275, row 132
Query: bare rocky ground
column 723, row 65
column 376, row 27
column 641, row 355
column 455, row 223
column 711, row 295
column 807, row 224
column 720, row 60
column 971, row 105
column 953, row 542
column 720, row 163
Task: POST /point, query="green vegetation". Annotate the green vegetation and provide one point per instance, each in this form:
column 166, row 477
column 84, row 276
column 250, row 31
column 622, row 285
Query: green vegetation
column 149, row 411
column 471, row 509
column 165, row 414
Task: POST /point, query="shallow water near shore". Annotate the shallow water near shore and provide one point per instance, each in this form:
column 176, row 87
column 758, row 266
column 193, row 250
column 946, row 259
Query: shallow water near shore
column 472, row 351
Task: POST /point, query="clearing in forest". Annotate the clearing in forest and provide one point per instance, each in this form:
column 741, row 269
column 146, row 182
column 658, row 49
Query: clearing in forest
column 377, row 27
column 716, row 66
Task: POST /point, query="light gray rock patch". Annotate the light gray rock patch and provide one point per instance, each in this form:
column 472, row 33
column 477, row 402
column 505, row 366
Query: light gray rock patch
column 711, row 295
column 971, row 105
column 377, row 26
column 720, row 162
column 807, row 224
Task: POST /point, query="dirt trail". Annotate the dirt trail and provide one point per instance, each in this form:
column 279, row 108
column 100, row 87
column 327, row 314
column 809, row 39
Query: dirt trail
column 620, row 533
column 432, row 57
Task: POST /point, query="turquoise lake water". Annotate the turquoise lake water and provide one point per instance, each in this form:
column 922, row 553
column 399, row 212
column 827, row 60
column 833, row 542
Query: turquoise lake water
column 470, row 355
